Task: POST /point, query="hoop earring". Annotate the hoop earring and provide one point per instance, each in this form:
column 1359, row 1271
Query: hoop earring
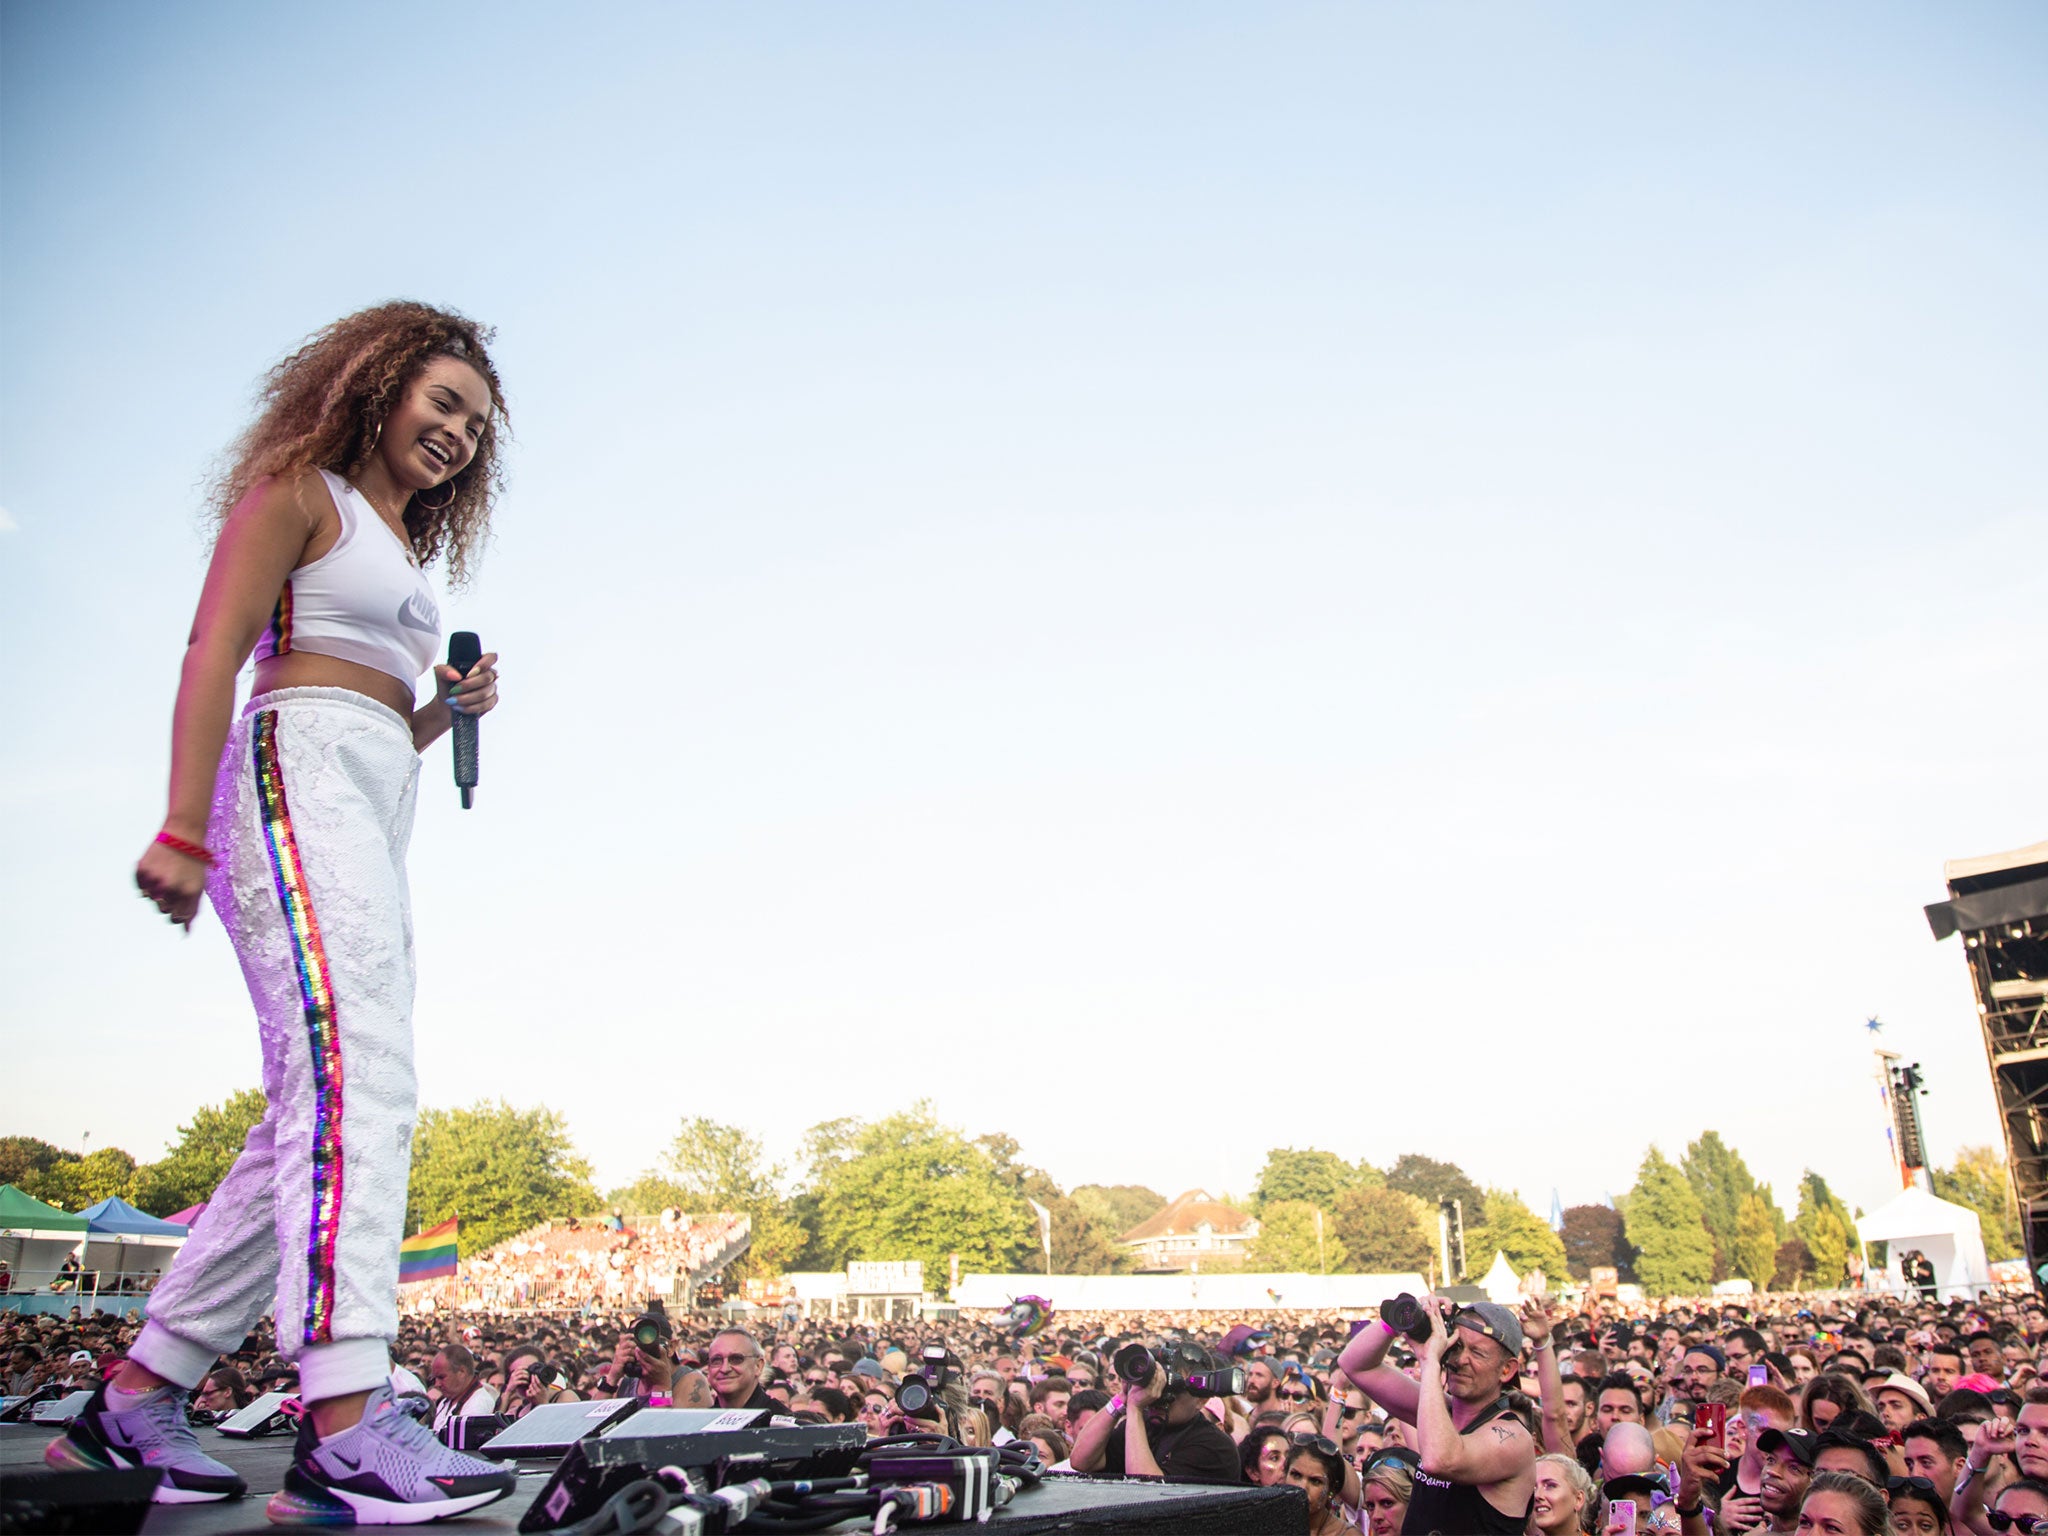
column 376, row 431
column 443, row 505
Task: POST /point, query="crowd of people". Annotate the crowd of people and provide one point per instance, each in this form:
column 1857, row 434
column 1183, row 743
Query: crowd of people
column 606, row 1262
column 1846, row 1415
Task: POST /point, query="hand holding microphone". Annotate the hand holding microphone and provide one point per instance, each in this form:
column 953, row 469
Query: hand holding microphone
column 469, row 684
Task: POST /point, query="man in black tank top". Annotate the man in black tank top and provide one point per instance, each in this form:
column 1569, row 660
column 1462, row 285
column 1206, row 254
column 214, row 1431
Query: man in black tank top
column 1478, row 1472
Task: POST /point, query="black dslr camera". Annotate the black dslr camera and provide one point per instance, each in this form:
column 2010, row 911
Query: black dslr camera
column 1405, row 1315
column 1188, row 1367
column 651, row 1332
column 915, row 1393
column 651, row 1329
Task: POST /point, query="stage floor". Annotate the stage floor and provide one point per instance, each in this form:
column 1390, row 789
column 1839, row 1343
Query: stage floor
column 1058, row 1504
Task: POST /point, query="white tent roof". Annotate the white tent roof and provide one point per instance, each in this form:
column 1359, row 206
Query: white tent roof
column 1915, row 1213
column 1501, row 1282
column 1230, row 1291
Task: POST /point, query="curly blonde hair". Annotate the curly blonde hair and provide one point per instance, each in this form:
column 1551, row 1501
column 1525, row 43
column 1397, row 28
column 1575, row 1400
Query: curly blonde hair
column 324, row 406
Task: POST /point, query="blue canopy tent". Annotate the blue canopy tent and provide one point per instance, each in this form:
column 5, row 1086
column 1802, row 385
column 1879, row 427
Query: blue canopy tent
column 120, row 1241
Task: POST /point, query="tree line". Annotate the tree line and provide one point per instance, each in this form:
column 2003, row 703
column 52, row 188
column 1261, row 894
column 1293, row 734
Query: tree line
column 910, row 1186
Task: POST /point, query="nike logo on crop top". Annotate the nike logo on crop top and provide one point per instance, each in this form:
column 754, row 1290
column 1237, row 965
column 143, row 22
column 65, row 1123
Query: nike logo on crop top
column 363, row 601
column 422, row 613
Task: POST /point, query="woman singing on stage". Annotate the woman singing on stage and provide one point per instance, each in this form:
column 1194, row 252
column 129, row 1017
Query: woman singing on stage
column 375, row 454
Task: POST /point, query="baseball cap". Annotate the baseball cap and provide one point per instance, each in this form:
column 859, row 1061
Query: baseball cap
column 1803, row 1443
column 80, row 1357
column 869, row 1368
column 1493, row 1320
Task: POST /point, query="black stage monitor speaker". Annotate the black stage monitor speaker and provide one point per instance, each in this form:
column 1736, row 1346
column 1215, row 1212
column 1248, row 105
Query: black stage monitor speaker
column 116, row 1502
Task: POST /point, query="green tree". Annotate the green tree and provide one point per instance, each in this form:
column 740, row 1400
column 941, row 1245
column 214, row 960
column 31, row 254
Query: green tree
column 1977, row 1178
column 908, row 1187
column 1754, row 1253
column 1593, row 1237
column 1117, row 1208
column 105, row 1173
column 1721, row 1180
column 23, row 1157
column 1674, row 1250
column 1823, row 1223
column 646, row 1198
column 1515, row 1230
column 201, row 1156
column 1794, row 1266
column 1080, row 1246
column 500, row 1169
column 720, row 1167
column 1287, row 1241
column 1385, row 1231
column 1311, row 1174
column 1433, row 1182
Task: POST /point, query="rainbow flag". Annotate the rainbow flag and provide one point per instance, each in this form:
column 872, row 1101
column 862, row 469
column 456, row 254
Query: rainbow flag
column 430, row 1255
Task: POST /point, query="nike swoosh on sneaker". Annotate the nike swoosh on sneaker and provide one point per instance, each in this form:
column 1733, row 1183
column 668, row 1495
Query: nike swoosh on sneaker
column 343, row 1461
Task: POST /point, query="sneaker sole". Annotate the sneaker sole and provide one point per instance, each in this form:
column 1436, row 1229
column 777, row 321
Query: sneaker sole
column 67, row 1455
column 331, row 1506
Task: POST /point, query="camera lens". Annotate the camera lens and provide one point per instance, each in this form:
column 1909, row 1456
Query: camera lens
column 1404, row 1314
column 649, row 1333
column 913, row 1397
column 1134, row 1364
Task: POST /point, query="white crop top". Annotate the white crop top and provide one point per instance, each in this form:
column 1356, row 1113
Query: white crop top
column 363, row 601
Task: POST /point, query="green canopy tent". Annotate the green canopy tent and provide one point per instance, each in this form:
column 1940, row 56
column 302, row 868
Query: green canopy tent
column 35, row 1238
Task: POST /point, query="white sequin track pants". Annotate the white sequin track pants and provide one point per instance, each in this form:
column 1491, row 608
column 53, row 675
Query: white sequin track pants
column 311, row 816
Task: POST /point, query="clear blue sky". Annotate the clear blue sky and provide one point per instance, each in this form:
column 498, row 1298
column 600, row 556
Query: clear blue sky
column 1423, row 577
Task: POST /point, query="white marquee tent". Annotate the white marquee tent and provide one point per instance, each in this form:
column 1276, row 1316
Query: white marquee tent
column 1949, row 1234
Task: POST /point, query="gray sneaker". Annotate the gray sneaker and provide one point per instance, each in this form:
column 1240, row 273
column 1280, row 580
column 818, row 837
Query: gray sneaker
column 152, row 1434
column 388, row 1470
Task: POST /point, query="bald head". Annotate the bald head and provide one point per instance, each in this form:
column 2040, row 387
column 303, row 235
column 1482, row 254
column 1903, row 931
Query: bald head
column 1627, row 1450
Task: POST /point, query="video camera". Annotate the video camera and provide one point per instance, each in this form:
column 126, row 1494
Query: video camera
column 1189, row 1368
column 915, row 1393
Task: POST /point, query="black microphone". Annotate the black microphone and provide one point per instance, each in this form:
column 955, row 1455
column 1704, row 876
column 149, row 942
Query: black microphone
column 464, row 652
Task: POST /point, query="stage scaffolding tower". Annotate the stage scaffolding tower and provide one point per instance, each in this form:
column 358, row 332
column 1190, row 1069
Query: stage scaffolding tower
column 1999, row 904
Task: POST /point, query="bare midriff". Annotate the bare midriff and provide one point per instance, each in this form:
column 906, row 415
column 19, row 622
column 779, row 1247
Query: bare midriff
column 308, row 669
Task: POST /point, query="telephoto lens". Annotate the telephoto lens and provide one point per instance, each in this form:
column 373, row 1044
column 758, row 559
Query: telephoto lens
column 650, row 1331
column 1404, row 1314
column 914, row 1395
column 1134, row 1363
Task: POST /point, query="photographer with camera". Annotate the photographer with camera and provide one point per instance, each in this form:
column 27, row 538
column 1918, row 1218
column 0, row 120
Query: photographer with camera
column 1157, row 1427
column 1478, row 1471
column 531, row 1382
column 458, row 1393
column 641, row 1364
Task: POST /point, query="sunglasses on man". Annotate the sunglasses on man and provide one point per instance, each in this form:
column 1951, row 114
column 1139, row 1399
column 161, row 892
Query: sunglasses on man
column 1292, row 1396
